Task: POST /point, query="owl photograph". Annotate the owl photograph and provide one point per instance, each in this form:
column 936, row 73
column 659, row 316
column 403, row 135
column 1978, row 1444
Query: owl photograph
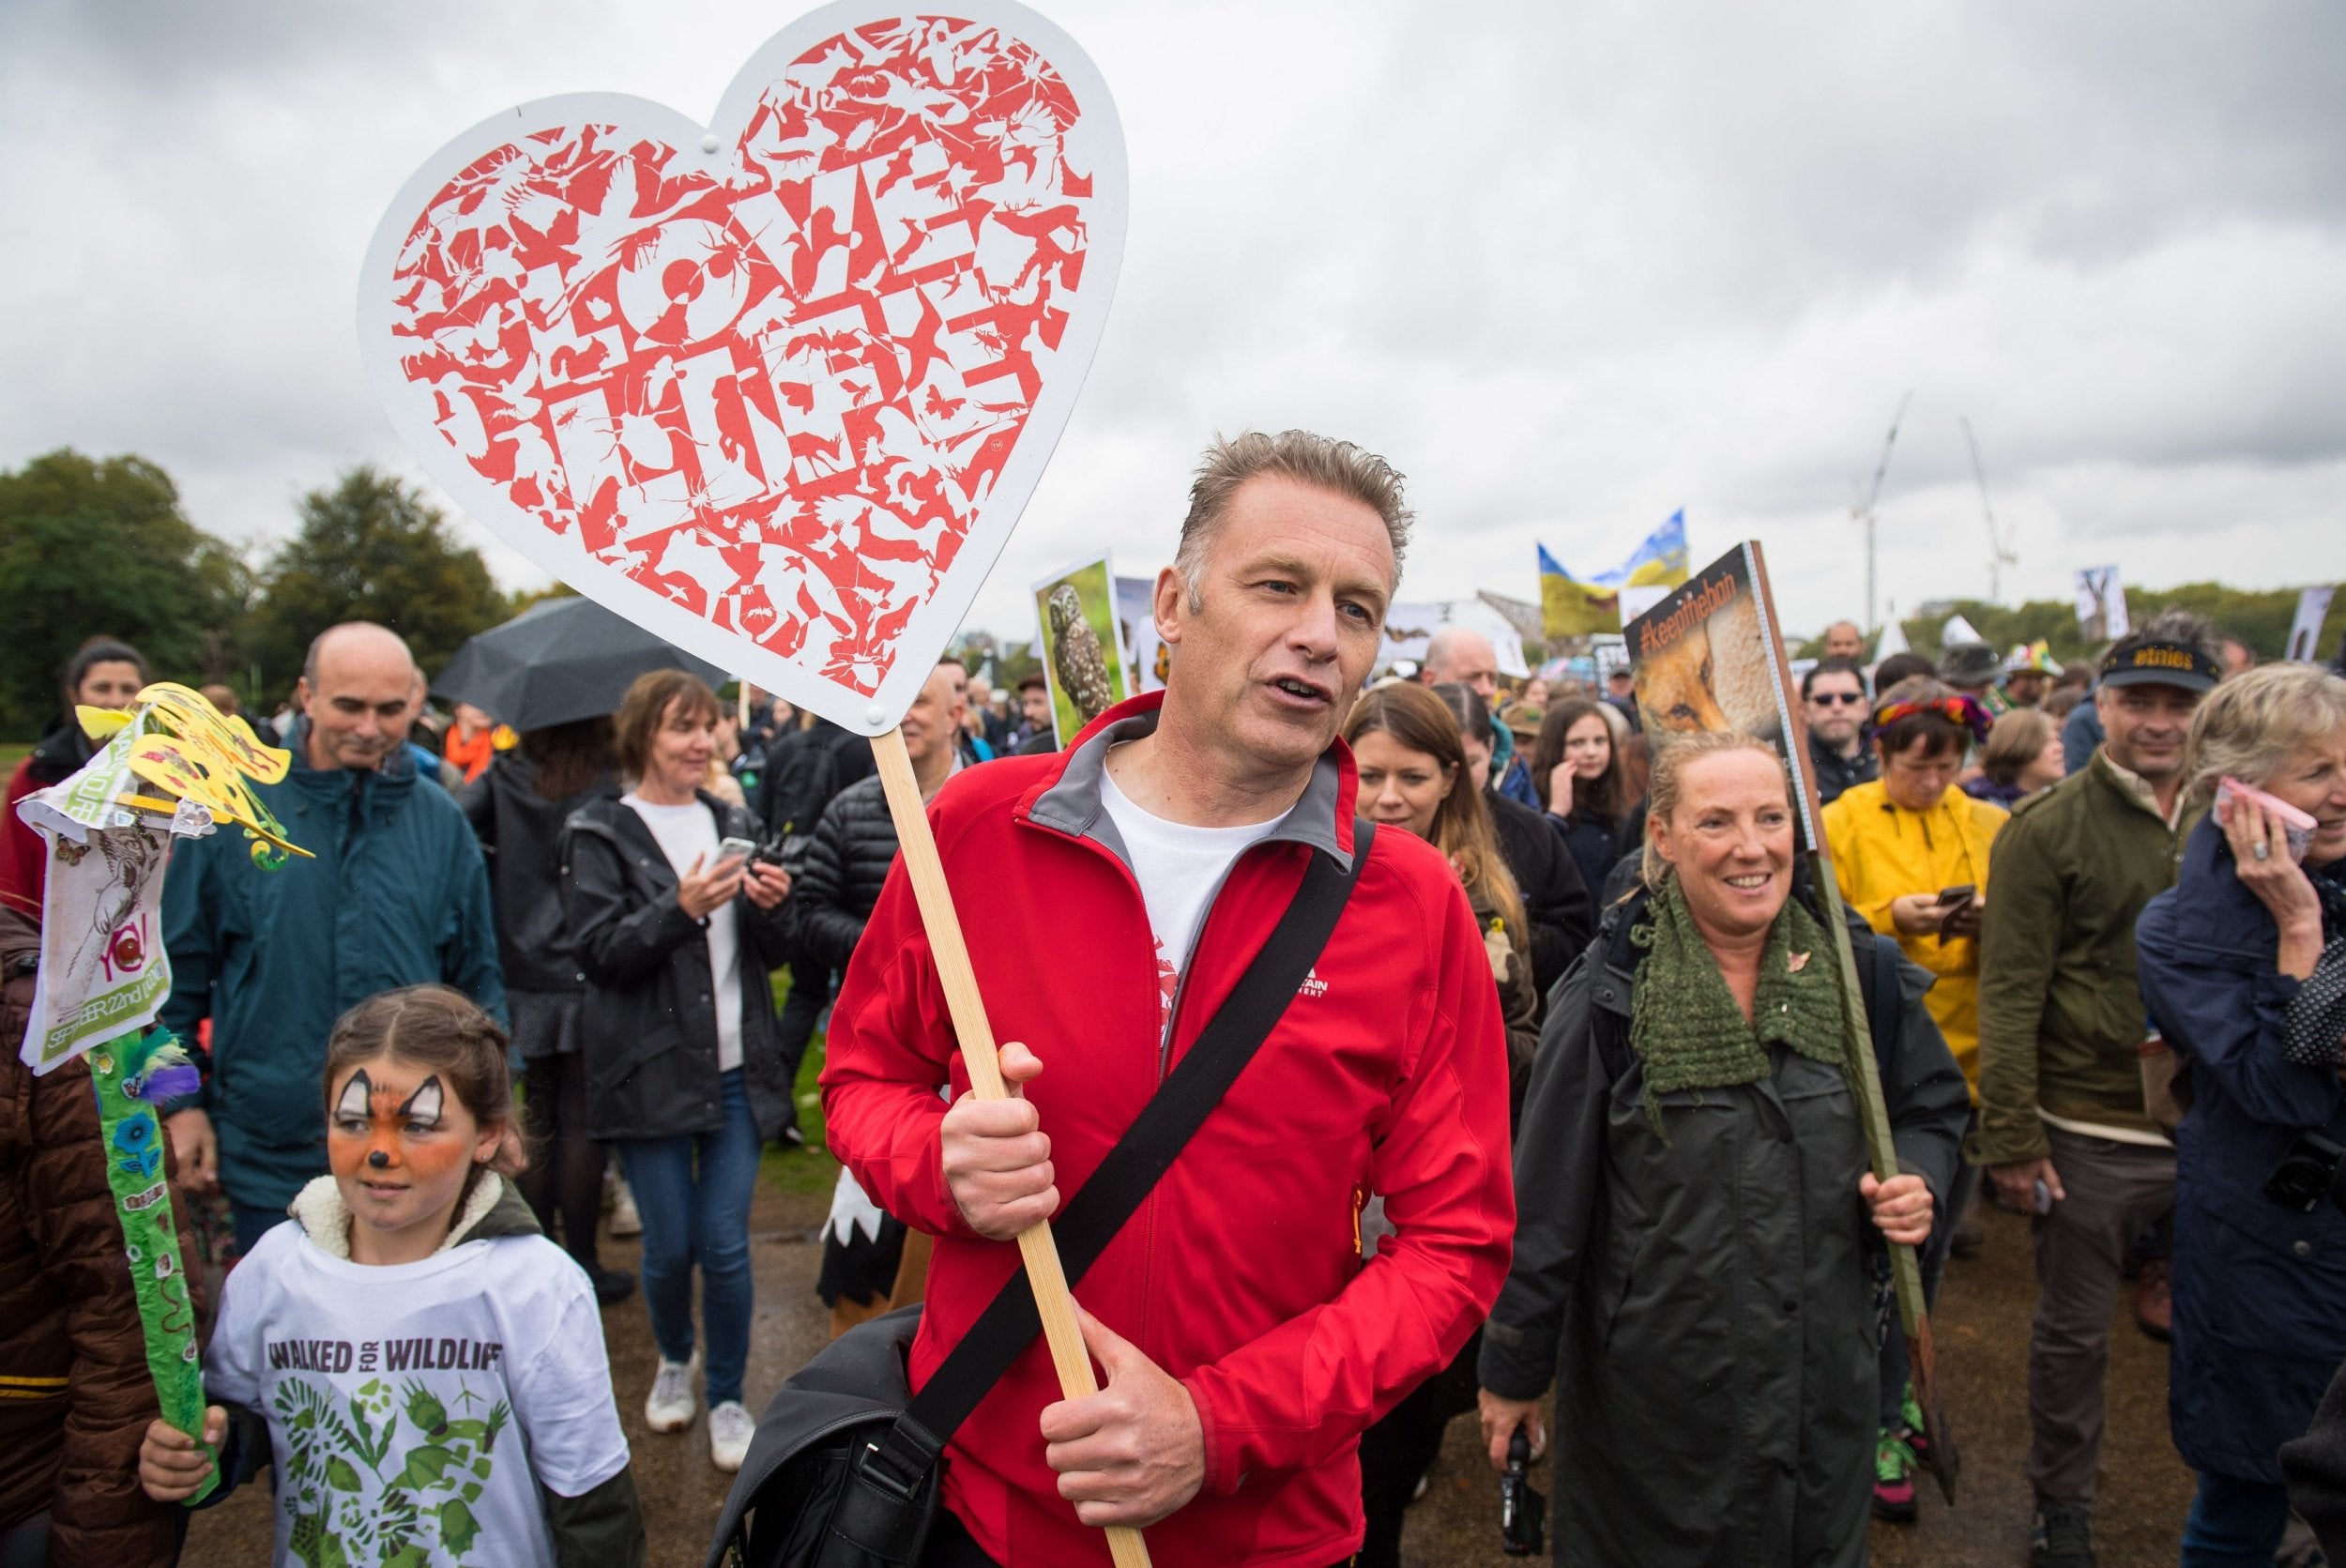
column 1083, row 657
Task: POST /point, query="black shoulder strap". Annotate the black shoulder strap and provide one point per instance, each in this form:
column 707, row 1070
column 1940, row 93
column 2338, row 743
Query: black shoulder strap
column 1181, row 1106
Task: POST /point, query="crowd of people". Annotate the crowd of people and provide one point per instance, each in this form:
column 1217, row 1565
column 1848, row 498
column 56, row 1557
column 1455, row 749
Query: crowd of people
column 1563, row 1110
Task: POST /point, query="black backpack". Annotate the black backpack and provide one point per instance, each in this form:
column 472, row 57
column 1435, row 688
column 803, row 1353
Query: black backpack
column 803, row 772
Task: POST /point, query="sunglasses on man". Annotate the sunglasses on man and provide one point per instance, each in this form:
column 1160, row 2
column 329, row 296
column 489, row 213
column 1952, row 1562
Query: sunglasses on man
column 1845, row 699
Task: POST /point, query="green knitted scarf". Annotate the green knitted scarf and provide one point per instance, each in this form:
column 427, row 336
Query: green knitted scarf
column 1684, row 1023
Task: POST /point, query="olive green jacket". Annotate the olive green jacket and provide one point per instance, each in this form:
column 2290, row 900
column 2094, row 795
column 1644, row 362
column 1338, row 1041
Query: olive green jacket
column 2060, row 1018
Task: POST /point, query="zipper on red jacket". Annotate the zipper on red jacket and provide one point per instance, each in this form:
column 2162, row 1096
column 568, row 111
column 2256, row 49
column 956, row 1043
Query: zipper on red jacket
column 1180, row 984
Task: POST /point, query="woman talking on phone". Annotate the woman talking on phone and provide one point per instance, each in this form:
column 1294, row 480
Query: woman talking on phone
column 676, row 923
column 2242, row 963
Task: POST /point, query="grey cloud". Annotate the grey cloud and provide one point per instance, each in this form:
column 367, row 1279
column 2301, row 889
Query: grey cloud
column 1571, row 267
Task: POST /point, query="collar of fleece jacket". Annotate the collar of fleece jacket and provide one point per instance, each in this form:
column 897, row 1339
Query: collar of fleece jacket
column 494, row 1208
column 1068, row 797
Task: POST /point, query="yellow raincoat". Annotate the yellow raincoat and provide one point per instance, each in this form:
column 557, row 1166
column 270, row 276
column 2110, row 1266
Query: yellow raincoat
column 1882, row 851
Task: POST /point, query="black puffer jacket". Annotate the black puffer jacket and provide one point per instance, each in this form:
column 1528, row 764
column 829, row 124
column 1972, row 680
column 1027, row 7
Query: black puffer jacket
column 650, row 1028
column 845, row 864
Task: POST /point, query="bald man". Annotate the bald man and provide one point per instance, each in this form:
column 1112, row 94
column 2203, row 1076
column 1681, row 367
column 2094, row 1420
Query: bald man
column 396, row 894
column 1844, row 639
column 1461, row 654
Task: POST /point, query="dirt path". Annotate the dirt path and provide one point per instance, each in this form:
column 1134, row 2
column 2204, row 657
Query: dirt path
column 1984, row 1348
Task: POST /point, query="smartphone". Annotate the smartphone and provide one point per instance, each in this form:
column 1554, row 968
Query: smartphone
column 1955, row 901
column 2296, row 826
column 736, row 850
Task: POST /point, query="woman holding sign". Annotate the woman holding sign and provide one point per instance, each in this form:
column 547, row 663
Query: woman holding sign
column 1697, row 1213
column 677, row 924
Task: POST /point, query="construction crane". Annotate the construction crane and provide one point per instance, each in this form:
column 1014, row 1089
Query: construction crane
column 1999, row 553
column 1864, row 511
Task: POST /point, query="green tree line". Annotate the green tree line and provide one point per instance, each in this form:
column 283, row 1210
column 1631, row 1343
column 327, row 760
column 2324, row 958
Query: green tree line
column 100, row 546
column 2260, row 618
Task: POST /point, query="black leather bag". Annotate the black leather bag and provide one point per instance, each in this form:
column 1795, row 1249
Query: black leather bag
column 848, row 1463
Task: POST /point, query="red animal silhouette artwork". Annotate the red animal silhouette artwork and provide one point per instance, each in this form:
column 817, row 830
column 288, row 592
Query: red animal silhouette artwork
column 774, row 376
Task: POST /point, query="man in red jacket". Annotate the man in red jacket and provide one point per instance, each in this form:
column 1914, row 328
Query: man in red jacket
column 1126, row 884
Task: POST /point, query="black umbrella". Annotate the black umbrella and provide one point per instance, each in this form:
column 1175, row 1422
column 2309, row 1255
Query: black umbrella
column 560, row 660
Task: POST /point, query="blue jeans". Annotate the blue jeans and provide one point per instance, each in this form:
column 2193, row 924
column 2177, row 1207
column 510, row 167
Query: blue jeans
column 693, row 1191
column 2234, row 1523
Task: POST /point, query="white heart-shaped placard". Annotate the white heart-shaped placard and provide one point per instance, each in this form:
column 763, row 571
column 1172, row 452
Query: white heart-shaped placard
column 776, row 389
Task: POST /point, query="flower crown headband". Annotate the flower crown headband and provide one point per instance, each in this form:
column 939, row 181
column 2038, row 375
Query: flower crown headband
column 1960, row 709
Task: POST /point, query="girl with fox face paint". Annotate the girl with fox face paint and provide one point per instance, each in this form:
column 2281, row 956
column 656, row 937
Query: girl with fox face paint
column 402, row 1150
column 458, row 1353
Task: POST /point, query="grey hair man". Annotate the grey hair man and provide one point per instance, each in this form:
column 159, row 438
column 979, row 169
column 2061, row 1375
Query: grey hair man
column 1462, row 655
column 1151, row 863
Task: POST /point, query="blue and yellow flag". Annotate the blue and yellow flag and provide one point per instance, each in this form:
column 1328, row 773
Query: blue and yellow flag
column 1571, row 608
column 1660, row 562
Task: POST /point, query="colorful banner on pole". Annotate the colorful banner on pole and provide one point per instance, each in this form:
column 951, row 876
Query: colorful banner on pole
column 2304, row 632
column 170, row 767
column 133, row 1074
column 2102, row 604
column 1083, row 652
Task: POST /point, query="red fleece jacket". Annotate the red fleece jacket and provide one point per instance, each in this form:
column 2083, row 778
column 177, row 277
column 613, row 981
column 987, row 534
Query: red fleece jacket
column 1240, row 1274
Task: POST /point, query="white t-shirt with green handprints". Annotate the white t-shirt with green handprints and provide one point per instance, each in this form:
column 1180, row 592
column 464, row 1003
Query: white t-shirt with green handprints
column 416, row 1408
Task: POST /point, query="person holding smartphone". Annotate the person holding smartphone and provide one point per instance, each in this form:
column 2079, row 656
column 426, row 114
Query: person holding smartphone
column 1910, row 850
column 677, row 922
column 2243, row 964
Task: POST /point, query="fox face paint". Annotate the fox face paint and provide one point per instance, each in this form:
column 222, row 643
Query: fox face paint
column 423, row 1108
column 376, row 1140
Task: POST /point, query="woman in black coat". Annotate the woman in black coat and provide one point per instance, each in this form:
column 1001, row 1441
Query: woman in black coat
column 2242, row 963
column 517, row 807
column 676, row 935
column 1697, row 1212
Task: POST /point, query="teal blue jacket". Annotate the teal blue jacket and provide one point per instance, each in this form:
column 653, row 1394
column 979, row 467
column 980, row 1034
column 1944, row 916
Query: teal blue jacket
column 397, row 895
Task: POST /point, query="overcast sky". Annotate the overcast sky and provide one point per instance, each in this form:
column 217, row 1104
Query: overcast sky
column 1569, row 268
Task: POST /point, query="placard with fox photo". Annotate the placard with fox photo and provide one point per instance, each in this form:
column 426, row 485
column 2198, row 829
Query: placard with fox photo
column 1711, row 657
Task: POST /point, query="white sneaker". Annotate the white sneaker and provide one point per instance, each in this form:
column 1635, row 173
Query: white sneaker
column 730, row 1429
column 625, row 1221
column 671, row 1406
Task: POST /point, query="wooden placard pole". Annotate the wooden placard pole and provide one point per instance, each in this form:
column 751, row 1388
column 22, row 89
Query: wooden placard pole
column 1906, row 1273
column 1052, row 1300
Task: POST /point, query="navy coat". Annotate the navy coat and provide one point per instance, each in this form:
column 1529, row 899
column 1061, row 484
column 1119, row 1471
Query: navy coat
column 2259, row 1290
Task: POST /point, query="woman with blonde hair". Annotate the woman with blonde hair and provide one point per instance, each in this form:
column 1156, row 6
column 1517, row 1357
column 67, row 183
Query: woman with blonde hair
column 1416, row 776
column 1698, row 1219
column 2242, row 963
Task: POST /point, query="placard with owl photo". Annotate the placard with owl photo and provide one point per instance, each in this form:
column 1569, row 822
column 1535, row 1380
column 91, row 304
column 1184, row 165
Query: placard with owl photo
column 1083, row 652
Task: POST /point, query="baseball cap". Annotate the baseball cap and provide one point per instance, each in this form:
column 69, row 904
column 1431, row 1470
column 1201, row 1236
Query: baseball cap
column 2155, row 661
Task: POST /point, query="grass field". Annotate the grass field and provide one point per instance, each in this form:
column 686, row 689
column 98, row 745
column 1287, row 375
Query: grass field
column 811, row 1170
column 12, row 752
